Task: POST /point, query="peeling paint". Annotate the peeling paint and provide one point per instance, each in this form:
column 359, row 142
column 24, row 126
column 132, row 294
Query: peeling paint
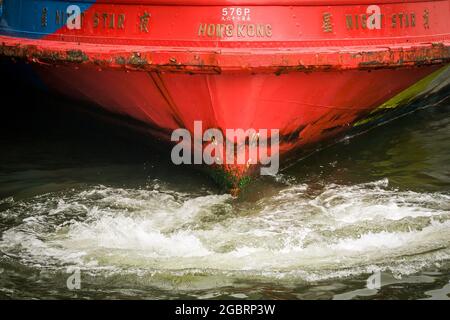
column 253, row 61
column 77, row 56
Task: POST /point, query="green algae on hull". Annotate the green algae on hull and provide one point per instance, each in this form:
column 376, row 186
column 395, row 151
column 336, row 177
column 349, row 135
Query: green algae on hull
column 230, row 181
column 405, row 97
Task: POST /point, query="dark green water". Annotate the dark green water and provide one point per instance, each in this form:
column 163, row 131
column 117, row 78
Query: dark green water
column 74, row 194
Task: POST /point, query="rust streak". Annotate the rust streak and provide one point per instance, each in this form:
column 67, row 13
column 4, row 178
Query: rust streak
column 159, row 83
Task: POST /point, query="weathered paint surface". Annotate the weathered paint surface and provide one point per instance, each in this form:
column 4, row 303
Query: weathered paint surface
column 157, row 60
column 310, row 68
column 428, row 85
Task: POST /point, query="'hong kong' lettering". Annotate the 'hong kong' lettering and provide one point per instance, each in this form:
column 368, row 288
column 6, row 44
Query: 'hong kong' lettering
column 239, row 30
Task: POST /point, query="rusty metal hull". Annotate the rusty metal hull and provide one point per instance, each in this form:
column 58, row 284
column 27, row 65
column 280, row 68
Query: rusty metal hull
column 312, row 69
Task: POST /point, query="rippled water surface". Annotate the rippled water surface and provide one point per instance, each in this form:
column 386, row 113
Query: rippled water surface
column 74, row 194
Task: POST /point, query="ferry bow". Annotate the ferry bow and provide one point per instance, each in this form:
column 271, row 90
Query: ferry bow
column 311, row 69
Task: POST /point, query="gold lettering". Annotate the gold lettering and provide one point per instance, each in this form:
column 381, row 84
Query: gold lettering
column 400, row 18
column 268, row 30
column 397, row 20
column 349, row 21
column 112, row 21
column 327, row 25
column 364, row 21
column 202, row 29
column 121, row 21
column 96, row 20
column 260, row 30
column 143, row 22
column 251, row 32
column 44, row 17
column 58, row 19
column 229, row 30
column 413, row 19
column 220, row 28
column 104, row 19
column 240, row 31
column 426, row 19
column 211, row 30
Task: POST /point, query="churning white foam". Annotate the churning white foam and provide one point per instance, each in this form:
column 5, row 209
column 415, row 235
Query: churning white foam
column 303, row 233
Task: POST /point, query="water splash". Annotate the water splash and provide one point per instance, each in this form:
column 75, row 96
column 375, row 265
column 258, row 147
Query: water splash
column 301, row 233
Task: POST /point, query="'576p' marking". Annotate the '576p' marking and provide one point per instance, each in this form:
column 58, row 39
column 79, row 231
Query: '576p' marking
column 236, row 14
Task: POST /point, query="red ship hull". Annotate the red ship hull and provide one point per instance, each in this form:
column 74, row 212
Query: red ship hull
column 311, row 70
